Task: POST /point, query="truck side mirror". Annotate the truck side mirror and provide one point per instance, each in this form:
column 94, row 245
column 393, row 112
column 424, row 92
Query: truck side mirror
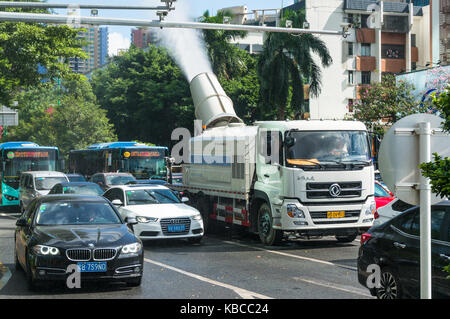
column 289, row 141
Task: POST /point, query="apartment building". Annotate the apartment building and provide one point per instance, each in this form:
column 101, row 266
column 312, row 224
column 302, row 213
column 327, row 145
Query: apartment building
column 142, row 37
column 96, row 47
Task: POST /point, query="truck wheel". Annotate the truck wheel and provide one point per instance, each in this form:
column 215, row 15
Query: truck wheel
column 268, row 235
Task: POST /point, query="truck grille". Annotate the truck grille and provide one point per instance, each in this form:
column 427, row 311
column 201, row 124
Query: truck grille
column 104, row 253
column 175, row 221
column 322, row 190
column 81, row 254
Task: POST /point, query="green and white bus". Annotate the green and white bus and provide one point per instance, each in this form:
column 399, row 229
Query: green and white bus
column 17, row 157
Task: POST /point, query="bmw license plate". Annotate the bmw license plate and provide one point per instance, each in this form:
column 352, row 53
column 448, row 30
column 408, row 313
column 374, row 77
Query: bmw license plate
column 175, row 228
column 92, row 266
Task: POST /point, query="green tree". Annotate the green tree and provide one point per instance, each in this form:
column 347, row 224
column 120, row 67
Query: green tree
column 76, row 123
column 145, row 94
column 287, row 63
column 24, row 46
column 225, row 57
column 438, row 171
column 383, row 103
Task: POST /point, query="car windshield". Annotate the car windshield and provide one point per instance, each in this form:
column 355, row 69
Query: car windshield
column 316, row 148
column 46, row 183
column 151, row 196
column 75, row 213
column 83, row 189
column 119, row 180
column 381, row 192
column 76, row 178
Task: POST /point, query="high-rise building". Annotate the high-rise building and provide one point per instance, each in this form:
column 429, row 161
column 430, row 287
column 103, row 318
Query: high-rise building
column 96, row 47
column 142, row 37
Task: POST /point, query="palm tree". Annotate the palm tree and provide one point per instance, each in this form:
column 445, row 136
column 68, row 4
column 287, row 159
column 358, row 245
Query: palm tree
column 287, row 63
column 224, row 56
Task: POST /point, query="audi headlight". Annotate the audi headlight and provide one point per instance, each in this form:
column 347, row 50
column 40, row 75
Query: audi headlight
column 197, row 217
column 131, row 248
column 143, row 219
column 294, row 212
column 43, row 250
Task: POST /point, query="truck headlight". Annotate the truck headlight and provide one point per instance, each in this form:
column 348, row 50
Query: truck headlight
column 131, row 248
column 371, row 209
column 143, row 219
column 43, row 250
column 294, row 212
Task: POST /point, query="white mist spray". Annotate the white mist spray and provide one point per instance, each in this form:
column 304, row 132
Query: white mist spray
column 186, row 46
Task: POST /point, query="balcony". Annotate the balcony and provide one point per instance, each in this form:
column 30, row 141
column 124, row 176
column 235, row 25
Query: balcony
column 365, row 35
column 366, row 63
column 393, row 65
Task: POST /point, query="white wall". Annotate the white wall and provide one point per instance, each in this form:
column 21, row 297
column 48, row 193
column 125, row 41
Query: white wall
column 333, row 99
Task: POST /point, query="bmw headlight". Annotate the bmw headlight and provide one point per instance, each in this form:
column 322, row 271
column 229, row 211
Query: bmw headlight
column 197, row 217
column 131, row 248
column 43, row 250
column 294, row 212
column 143, row 219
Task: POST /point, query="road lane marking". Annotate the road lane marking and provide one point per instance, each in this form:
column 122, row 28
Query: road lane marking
column 5, row 275
column 245, row 294
column 351, row 290
column 291, row 255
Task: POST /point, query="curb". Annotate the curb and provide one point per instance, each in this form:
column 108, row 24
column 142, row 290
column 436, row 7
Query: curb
column 5, row 275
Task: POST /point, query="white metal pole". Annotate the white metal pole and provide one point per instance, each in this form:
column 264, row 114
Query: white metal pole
column 70, row 19
column 425, row 213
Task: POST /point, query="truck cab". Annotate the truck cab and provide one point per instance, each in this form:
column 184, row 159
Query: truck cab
column 316, row 176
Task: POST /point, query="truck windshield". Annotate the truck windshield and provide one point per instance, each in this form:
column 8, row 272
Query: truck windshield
column 319, row 148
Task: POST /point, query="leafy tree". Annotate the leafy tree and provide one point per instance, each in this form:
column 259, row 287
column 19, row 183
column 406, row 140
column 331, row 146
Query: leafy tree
column 145, row 95
column 286, row 63
column 24, row 46
column 439, row 171
column 225, row 57
column 385, row 101
column 76, row 123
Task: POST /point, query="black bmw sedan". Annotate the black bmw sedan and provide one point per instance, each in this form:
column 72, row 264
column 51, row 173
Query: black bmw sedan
column 84, row 234
column 392, row 250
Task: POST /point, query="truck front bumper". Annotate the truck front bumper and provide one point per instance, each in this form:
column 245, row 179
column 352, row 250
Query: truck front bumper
column 326, row 219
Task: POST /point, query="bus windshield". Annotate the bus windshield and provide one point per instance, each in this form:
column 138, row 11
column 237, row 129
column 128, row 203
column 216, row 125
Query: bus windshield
column 22, row 160
column 146, row 164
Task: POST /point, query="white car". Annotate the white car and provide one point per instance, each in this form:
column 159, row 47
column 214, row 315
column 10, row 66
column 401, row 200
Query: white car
column 389, row 211
column 159, row 212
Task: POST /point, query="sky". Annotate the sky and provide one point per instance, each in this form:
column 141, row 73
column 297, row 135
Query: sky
column 120, row 37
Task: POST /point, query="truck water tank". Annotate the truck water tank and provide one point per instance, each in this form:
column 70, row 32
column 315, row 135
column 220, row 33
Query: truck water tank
column 212, row 105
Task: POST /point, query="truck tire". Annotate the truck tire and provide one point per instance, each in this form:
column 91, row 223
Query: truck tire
column 267, row 234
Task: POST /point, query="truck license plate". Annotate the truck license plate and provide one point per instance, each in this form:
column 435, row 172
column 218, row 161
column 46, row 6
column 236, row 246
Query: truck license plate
column 338, row 214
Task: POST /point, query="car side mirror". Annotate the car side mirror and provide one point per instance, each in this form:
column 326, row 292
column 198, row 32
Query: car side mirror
column 117, row 202
column 21, row 222
column 131, row 220
column 184, row 199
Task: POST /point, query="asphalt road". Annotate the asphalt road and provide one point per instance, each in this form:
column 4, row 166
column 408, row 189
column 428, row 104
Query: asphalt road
column 227, row 265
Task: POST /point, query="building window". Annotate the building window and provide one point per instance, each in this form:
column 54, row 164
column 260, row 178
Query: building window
column 365, row 77
column 350, row 77
column 365, row 49
column 350, row 48
column 392, row 51
column 364, row 20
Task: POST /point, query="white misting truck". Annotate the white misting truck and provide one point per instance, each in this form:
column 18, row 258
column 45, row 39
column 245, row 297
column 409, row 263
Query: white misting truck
column 305, row 178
